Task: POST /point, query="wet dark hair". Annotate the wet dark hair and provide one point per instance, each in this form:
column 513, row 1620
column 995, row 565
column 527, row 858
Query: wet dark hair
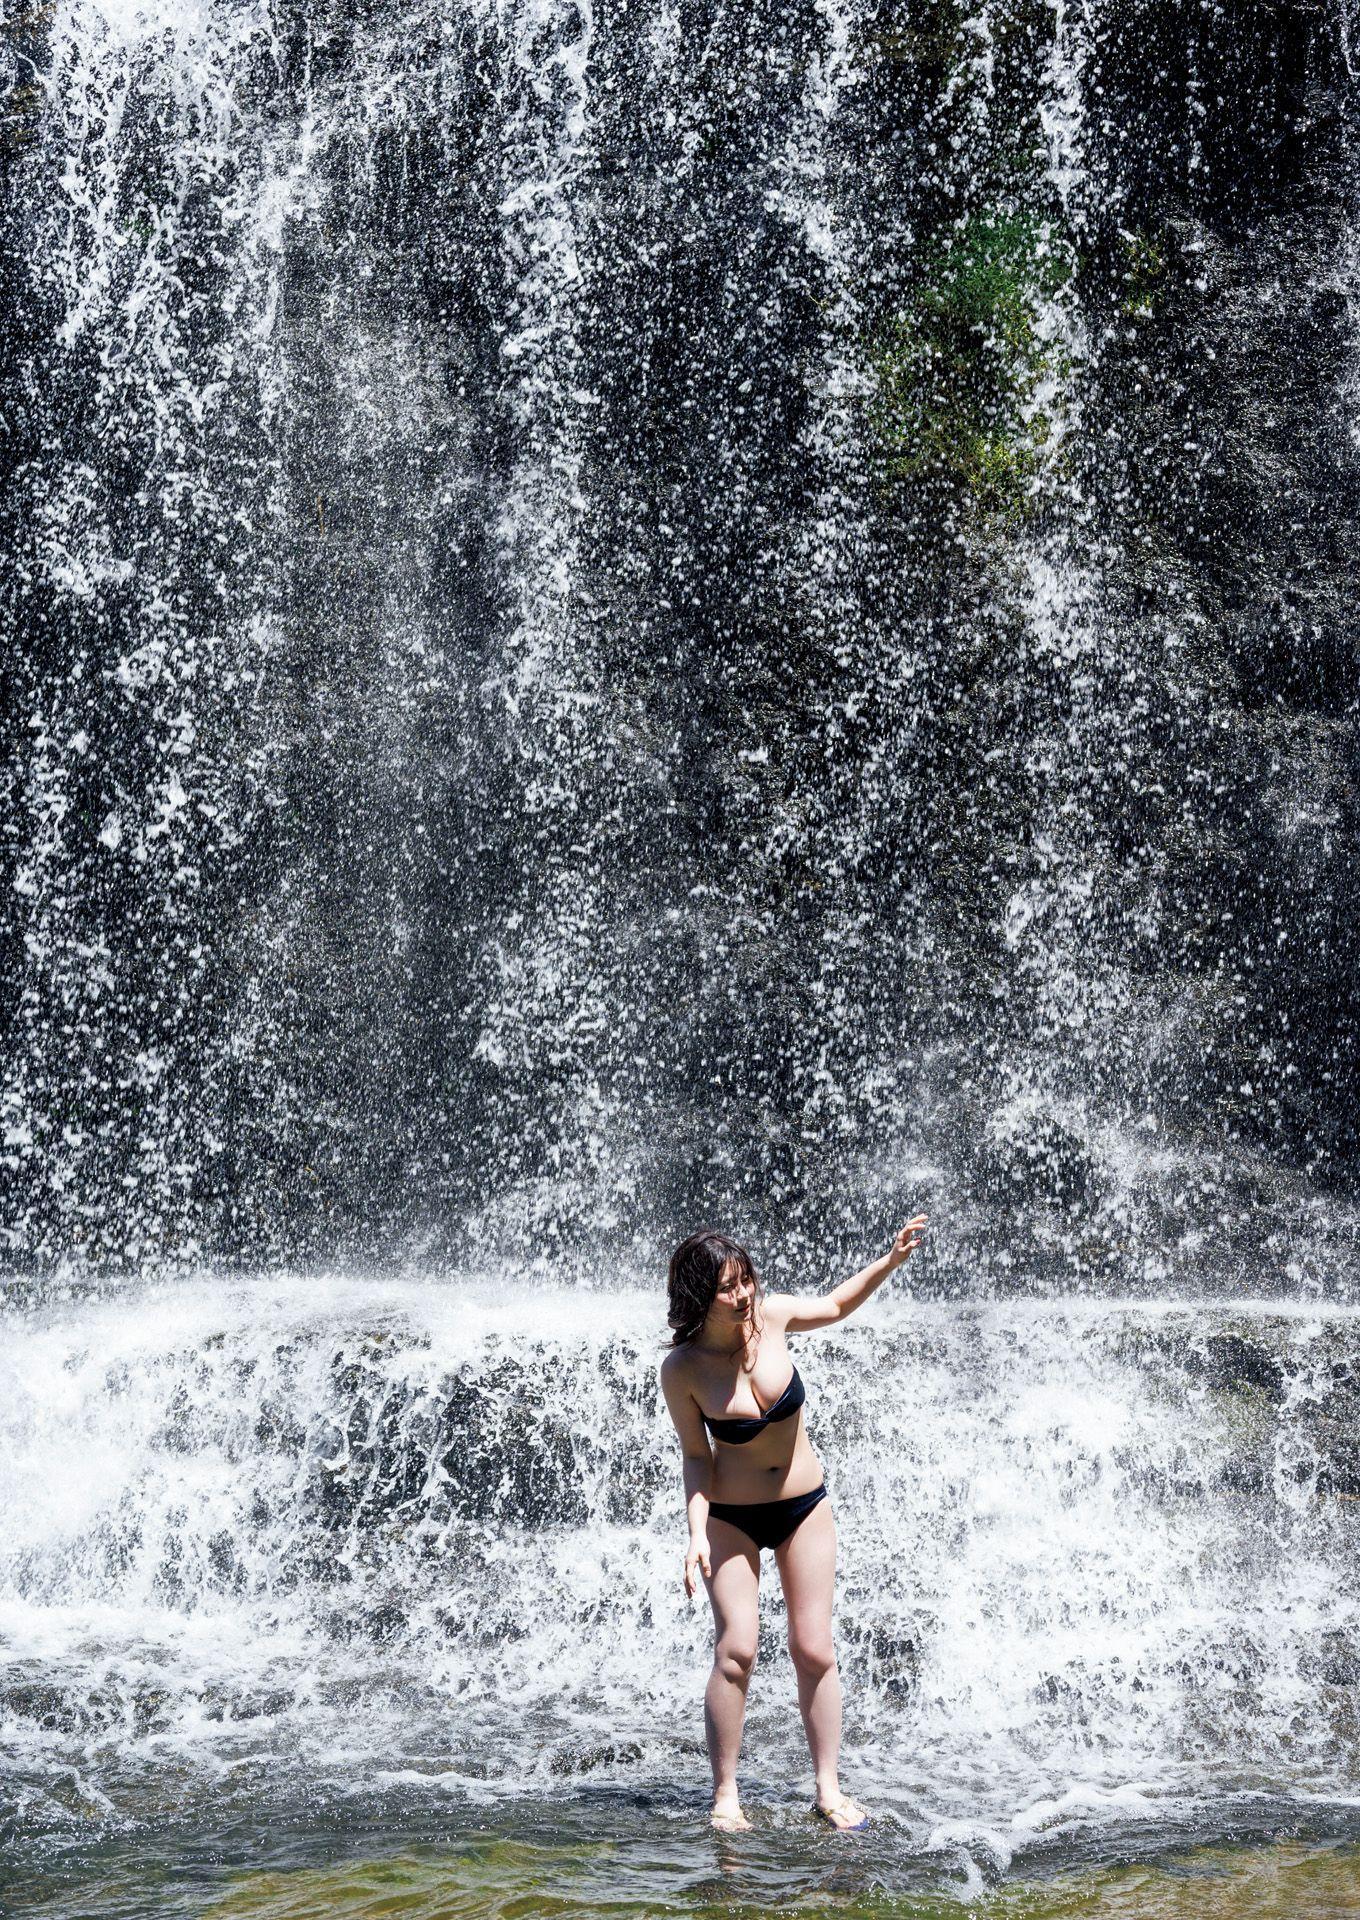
column 692, row 1278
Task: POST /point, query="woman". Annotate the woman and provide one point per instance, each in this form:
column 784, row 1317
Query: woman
column 757, row 1485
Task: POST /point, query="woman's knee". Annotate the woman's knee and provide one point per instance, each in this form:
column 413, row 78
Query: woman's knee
column 813, row 1654
column 734, row 1657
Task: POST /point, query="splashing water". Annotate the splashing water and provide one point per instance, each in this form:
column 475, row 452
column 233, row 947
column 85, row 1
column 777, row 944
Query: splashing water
column 586, row 574
column 284, row 1532
column 639, row 614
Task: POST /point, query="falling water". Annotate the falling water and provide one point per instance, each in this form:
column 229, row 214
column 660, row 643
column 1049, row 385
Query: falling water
column 638, row 612
column 633, row 612
column 1094, row 1559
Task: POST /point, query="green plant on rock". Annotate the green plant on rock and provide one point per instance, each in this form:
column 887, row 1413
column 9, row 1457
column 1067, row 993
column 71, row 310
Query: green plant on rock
column 1144, row 273
column 949, row 33
column 961, row 373
column 924, row 36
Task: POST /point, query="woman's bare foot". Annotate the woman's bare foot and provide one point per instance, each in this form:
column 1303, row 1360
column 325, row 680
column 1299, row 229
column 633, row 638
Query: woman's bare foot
column 727, row 1815
column 842, row 1813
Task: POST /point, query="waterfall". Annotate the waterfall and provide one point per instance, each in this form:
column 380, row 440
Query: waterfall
column 632, row 614
column 690, row 611
column 401, row 1533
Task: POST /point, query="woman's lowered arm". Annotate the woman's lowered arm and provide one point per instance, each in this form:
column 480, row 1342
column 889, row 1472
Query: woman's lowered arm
column 697, row 1470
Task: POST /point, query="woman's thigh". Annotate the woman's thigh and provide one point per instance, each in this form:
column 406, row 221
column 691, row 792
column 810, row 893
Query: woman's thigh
column 734, row 1583
column 807, row 1572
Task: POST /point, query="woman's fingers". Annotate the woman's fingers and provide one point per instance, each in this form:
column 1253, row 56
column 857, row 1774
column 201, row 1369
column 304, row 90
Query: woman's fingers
column 909, row 1237
column 697, row 1561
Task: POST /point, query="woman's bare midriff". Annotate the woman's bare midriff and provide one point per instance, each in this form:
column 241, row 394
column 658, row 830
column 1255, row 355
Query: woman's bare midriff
column 779, row 1463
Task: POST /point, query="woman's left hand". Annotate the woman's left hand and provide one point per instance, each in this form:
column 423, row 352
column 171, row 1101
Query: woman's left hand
column 909, row 1239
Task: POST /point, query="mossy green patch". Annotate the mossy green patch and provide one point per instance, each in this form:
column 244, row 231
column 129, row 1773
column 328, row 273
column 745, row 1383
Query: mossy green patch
column 502, row 1878
column 1144, row 273
column 949, row 33
column 512, row 1881
column 928, row 36
column 960, row 373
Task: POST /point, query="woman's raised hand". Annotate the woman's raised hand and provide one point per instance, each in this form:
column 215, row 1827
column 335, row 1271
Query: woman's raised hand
column 909, row 1239
column 696, row 1562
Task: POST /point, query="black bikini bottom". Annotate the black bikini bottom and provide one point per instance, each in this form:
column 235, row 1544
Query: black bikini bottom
column 768, row 1522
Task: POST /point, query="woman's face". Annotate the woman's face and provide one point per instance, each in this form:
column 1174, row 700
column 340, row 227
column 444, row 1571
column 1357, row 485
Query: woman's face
column 735, row 1296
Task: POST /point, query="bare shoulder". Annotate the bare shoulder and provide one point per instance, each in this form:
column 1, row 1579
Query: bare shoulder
column 802, row 1312
column 677, row 1369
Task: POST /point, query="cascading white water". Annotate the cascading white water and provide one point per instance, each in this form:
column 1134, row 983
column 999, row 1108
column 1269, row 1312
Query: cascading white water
column 1093, row 1560
column 515, row 610
column 654, row 613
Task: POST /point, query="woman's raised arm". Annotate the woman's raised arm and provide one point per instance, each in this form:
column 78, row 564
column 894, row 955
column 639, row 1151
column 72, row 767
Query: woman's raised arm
column 805, row 1312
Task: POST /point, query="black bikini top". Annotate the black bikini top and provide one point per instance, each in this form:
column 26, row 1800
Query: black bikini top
column 738, row 1432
